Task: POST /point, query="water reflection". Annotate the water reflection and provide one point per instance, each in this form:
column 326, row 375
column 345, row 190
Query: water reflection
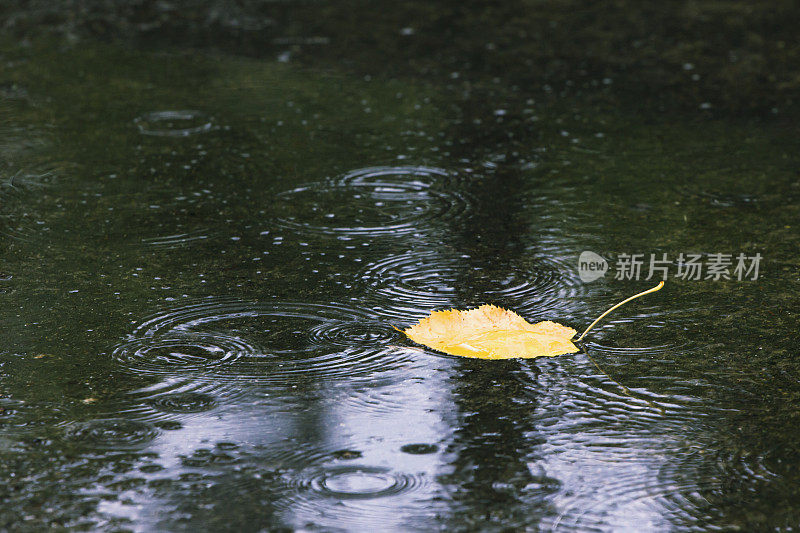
column 326, row 449
column 316, row 457
column 498, row 477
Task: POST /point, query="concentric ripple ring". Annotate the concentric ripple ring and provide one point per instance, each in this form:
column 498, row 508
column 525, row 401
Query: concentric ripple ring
column 173, row 123
column 264, row 341
column 415, row 283
column 372, row 201
column 357, row 482
column 112, row 433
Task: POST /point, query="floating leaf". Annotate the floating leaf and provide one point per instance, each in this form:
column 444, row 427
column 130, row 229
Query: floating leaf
column 491, row 332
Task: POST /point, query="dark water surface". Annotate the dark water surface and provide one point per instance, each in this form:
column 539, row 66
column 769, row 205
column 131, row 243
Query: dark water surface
column 204, row 256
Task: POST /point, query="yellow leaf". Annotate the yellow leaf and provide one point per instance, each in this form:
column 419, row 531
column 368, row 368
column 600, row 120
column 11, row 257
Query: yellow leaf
column 491, row 332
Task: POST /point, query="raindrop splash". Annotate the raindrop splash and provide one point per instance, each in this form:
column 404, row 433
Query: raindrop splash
column 112, row 434
column 178, row 123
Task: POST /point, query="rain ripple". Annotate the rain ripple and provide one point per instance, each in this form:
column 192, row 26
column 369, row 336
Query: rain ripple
column 415, row 283
column 24, row 194
column 617, row 447
column 356, row 482
column 263, row 342
column 177, row 240
column 180, row 398
column 183, row 402
column 112, row 434
column 360, row 496
column 706, row 477
column 373, row 201
column 178, row 123
column 30, row 179
column 668, row 483
column 184, row 351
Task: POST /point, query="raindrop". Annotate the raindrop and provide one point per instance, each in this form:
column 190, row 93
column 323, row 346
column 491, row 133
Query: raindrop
column 181, row 123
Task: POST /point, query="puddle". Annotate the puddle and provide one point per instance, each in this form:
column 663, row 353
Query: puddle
column 207, row 255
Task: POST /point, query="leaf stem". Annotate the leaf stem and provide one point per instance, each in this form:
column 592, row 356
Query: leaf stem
column 626, row 300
